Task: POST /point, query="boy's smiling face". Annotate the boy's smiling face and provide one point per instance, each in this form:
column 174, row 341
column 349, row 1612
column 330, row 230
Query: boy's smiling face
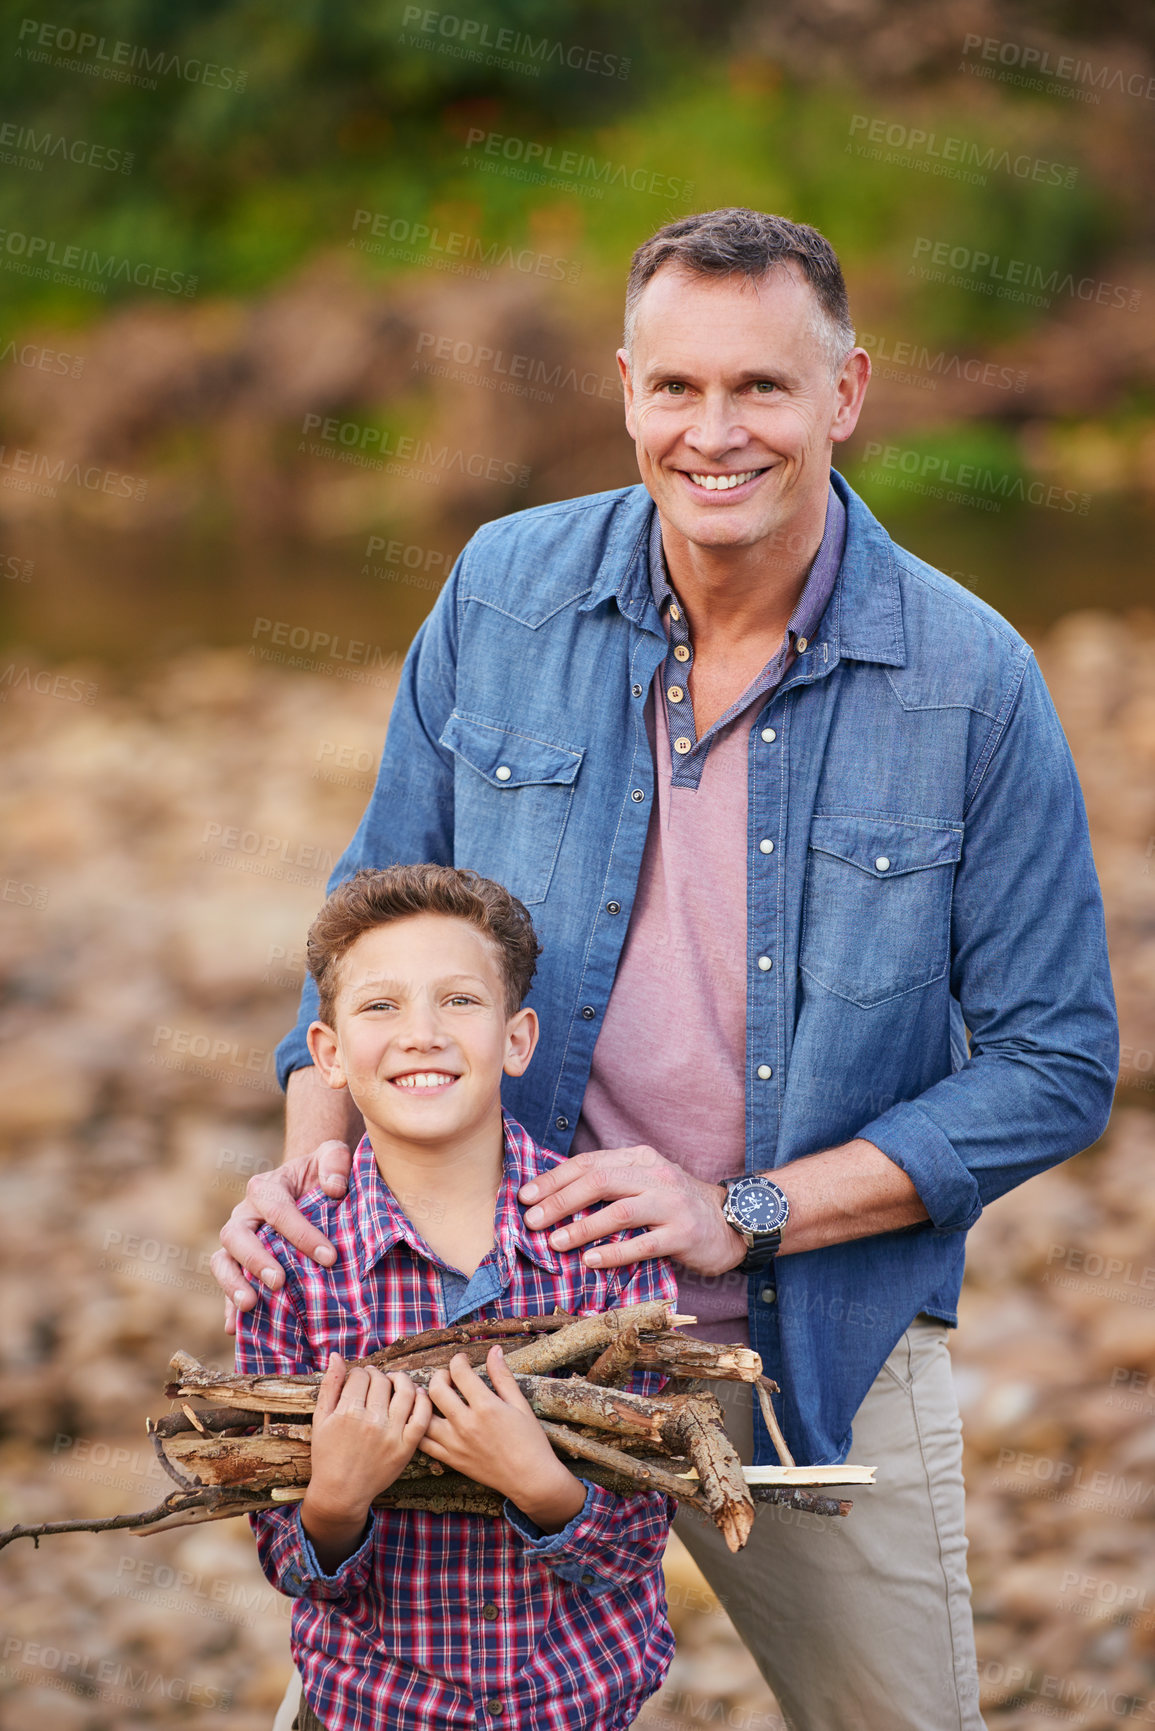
column 422, row 1033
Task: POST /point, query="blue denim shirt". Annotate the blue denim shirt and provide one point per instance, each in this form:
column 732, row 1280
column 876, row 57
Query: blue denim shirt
column 940, row 982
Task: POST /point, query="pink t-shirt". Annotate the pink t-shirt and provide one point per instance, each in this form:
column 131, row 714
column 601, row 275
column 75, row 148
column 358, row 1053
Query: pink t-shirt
column 669, row 1066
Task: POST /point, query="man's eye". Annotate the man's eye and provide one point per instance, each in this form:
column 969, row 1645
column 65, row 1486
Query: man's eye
column 674, row 388
column 765, row 387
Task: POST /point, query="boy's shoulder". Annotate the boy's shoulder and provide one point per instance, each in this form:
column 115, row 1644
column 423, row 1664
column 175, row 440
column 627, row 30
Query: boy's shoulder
column 320, row 1210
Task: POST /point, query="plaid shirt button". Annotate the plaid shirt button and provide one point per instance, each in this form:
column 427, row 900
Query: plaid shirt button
column 489, row 1612
column 494, row 1707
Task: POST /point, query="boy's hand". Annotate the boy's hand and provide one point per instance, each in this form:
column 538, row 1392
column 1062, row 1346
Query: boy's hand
column 366, row 1427
column 493, row 1435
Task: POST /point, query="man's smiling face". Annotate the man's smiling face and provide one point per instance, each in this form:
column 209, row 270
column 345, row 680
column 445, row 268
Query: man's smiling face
column 732, row 407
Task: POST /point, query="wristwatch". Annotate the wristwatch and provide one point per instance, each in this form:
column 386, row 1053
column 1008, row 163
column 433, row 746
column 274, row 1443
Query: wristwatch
column 758, row 1210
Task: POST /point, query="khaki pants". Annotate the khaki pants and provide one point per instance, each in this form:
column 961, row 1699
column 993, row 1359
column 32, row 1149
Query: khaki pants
column 863, row 1623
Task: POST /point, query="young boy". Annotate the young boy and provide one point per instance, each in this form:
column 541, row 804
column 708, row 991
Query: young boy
column 552, row 1616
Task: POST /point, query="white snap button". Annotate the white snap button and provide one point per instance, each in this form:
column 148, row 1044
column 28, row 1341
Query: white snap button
column 769, row 735
column 503, row 772
column 765, row 847
column 882, row 864
column 765, row 963
column 764, row 1072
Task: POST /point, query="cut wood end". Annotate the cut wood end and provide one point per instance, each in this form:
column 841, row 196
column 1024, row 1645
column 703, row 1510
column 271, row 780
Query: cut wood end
column 677, row 1320
column 288, row 1493
column 192, row 1417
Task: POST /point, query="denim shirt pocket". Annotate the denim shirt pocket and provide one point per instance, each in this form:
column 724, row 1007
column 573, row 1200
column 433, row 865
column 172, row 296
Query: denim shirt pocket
column 876, row 920
column 512, row 795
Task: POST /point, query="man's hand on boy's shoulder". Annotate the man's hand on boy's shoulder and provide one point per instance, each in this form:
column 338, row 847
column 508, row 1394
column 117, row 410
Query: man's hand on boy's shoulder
column 682, row 1215
column 270, row 1198
column 493, row 1435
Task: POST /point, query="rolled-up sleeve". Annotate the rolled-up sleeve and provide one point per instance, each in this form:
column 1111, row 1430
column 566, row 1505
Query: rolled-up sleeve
column 610, row 1542
column 1029, row 969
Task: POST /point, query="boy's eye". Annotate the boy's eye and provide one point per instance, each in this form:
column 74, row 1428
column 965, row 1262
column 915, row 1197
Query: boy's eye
column 462, row 998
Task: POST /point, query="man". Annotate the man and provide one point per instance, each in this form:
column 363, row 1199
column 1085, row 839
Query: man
column 805, row 849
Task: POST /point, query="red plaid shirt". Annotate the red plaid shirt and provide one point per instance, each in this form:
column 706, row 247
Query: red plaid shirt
column 459, row 1621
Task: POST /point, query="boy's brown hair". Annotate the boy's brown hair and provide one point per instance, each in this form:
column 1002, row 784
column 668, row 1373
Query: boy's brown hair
column 376, row 898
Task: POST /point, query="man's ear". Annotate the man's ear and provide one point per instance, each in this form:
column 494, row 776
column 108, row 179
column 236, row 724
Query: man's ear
column 627, row 391
column 851, row 388
column 521, row 1033
column 325, row 1053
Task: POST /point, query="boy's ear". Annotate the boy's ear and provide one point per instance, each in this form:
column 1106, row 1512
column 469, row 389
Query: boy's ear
column 325, row 1053
column 521, row 1032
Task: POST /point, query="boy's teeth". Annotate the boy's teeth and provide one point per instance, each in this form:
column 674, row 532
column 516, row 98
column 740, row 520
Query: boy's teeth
column 424, row 1079
column 722, row 483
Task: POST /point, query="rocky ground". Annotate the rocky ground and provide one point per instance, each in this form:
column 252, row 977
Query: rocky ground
column 163, row 850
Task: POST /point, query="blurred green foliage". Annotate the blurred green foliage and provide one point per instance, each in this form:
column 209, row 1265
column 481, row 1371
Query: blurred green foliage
column 340, row 110
column 316, row 109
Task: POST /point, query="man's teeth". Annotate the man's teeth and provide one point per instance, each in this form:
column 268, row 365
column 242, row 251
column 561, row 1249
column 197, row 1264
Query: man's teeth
column 722, row 483
column 424, row 1079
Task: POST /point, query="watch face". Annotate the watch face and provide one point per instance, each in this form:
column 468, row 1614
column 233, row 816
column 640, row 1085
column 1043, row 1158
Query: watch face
column 758, row 1206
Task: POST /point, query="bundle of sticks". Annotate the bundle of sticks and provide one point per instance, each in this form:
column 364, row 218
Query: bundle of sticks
column 247, row 1446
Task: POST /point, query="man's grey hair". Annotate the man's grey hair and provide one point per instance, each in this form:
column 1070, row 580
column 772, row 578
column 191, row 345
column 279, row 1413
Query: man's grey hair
column 750, row 244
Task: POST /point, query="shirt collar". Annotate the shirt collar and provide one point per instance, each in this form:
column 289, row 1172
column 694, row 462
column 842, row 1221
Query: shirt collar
column 816, row 591
column 863, row 621
column 379, row 1223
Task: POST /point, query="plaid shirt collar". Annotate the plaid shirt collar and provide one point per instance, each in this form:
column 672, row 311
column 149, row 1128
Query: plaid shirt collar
column 378, row 1222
